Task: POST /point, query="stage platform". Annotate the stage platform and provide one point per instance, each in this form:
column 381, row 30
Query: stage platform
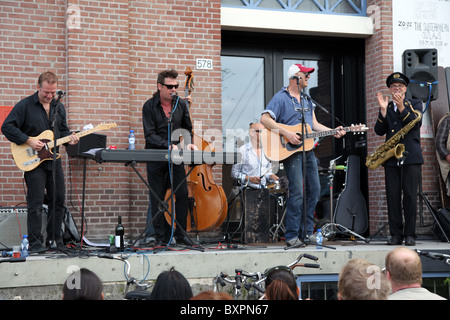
column 41, row 276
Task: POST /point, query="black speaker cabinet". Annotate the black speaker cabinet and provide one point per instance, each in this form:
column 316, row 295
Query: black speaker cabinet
column 256, row 216
column 421, row 67
column 91, row 141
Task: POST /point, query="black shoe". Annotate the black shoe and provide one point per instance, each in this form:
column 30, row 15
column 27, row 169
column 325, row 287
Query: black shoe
column 55, row 245
column 186, row 241
column 37, row 248
column 410, row 241
column 395, row 241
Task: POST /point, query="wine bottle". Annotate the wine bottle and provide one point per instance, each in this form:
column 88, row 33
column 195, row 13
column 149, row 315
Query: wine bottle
column 119, row 234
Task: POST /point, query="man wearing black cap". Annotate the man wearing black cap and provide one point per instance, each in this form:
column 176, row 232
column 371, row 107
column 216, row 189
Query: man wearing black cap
column 403, row 174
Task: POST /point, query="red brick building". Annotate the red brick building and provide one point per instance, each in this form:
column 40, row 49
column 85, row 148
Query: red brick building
column 107, row 55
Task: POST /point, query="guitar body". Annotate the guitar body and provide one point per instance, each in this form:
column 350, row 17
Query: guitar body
column 351, row 209
column 277, row 148
column 26, row 158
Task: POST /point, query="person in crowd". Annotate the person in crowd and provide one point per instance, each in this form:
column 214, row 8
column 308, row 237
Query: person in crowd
column 83, row 285
column 280, row 284
column 287, row 108
column 171, row 285
column 211, row 295
column 29, row 118
column 361, row 280
column 404, row 272
column 402, row 175
column 163, row 115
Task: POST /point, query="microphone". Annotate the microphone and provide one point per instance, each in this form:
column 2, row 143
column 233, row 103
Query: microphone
column 174, row 104
column 60, row 93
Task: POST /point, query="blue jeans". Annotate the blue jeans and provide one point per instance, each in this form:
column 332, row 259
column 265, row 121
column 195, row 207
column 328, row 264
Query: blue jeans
column 294, row 219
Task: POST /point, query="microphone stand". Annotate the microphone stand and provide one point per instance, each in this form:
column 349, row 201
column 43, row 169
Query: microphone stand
column 55, row 108
column 170, row 131
column 175, row 99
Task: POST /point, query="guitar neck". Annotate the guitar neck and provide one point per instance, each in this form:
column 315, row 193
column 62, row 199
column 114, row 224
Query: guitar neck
column 66, row 139
column 326, row 133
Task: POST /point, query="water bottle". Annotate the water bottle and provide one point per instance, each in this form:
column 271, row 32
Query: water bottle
column 24, row 249
column 319, row 239
column 131, row 140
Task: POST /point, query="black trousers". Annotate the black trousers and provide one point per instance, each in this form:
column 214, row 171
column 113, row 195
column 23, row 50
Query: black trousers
column 404, row 181
column 40, row 182
column 158, row 179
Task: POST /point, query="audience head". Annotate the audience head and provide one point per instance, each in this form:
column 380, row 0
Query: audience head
column 403, row 267
column 211, row 295
column 171, row 285
column 280, row 284
column 362, row 280
column 83, row 285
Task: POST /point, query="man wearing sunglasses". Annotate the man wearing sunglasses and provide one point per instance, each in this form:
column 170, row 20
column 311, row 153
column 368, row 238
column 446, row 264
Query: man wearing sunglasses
column 286, row 108
column 163, row 115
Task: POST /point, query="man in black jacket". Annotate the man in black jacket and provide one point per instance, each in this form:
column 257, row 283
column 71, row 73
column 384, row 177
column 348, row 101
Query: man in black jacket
column 403, row 174
column 27, row 120
column 164, row 117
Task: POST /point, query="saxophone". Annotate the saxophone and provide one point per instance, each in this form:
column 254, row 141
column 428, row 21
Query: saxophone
column 392, row 147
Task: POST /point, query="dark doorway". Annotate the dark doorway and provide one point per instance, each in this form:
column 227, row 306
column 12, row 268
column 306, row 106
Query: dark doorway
column 254, row 67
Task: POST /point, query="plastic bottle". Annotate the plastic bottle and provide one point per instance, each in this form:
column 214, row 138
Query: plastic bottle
column 24, row 246
column 131, row 140
column 119, row 234
column 319, row 239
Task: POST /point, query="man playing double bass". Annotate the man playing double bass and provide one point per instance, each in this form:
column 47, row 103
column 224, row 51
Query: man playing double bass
column 162, row 115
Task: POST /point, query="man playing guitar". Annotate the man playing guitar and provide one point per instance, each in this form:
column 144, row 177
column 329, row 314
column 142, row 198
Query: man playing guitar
column 29, row 118
column 286, row 108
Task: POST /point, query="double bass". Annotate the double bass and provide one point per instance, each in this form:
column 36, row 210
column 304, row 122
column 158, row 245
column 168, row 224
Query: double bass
column 208, row 204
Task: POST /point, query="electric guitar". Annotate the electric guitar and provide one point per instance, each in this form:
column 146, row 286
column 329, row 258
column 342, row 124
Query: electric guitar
column 277, row 148
column 27, row 159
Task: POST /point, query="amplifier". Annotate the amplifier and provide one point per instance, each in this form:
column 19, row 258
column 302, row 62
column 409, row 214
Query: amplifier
column 91, row 141
column 256, row 216
column 13, row 222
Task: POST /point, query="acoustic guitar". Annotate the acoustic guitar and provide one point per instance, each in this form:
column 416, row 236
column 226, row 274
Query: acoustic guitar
column 277, row 148
column 27, row 159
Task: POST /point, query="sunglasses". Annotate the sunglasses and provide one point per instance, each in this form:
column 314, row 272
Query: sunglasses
column 170, row 86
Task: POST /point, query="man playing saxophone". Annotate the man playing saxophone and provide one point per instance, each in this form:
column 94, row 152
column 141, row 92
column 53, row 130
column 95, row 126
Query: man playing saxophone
column 402, row 175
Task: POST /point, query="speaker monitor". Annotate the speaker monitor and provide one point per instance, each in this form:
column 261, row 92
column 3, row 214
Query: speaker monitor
column 257, row 208
column 421, row 67
column 91, row 141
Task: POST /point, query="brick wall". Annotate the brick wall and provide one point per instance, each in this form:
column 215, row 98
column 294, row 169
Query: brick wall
column 107, row 55
column 379, row 64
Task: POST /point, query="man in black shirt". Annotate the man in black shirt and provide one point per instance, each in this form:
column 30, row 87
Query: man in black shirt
column 28, row 119
column 163, row 115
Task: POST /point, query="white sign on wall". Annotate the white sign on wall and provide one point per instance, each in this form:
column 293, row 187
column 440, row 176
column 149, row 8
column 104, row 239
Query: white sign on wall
column 421, row 24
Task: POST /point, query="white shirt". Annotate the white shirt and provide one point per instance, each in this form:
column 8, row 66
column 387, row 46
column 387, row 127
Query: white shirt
column 252, row 166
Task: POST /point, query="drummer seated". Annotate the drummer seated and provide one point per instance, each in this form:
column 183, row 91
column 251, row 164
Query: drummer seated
column 254, row 170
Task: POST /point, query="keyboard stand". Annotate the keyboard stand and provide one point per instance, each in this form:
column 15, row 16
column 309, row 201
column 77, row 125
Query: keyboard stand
column 163, row 205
